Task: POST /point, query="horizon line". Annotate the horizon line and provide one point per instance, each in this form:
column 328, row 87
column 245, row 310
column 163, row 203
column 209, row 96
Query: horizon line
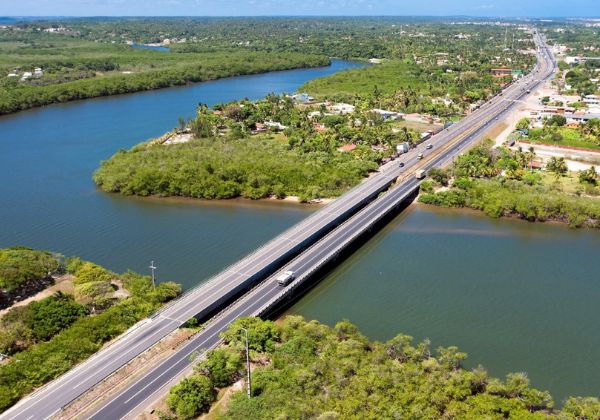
column 308, row 16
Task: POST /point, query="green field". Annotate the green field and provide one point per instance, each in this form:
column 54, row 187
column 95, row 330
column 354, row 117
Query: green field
column 563, row 137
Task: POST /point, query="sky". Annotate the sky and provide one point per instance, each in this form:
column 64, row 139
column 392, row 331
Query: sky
column 493, row 8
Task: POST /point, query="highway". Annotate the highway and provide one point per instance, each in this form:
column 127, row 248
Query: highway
column 300, row 248
column 156, row 382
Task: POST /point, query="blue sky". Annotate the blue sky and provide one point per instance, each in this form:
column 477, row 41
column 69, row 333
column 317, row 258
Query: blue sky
column 299, row 7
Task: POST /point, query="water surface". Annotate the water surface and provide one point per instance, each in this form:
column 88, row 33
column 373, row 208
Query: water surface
column 515, row 296
column 48, row 200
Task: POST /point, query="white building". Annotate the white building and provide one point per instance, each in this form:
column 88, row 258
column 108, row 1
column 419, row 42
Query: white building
column 592, row 100
column 342, row 108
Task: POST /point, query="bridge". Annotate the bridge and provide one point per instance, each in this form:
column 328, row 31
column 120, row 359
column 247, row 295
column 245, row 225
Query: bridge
column 248, row 287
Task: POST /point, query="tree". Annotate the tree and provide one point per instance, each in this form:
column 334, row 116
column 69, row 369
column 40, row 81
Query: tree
column 588, row 176
column 439, row 175
column 221, row 366
column 556, row 121
column 51, row 315
column 557, row 165
column 523, row 124
column 191, row 397
column 90, row 272
column 20, row 266
column 261, row 334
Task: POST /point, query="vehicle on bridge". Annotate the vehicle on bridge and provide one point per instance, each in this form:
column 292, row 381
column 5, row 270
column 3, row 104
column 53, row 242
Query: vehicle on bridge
column 286, row 278
column 420, row 174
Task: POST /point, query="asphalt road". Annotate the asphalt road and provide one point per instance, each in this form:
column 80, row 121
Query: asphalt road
column 143, row 391
column 228, row 284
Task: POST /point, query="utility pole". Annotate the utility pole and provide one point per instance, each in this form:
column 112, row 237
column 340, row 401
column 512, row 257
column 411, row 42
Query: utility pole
column 247, row 364
column 152, row 267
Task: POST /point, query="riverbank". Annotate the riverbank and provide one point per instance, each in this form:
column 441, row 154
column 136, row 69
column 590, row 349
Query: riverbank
column 179, row 69
column 348, row 362
column 502, row 183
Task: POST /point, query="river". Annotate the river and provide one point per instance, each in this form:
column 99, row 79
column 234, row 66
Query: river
column 515, row 296
column 48, row 155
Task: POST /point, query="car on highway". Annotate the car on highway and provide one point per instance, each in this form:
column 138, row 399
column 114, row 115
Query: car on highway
column 429, row 146
column 286, row 278
column 420, row 156
column 401, row 164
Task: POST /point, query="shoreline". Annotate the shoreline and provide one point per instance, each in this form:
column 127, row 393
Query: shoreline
column 513, row 216
column 186, row 82
column 291, row 201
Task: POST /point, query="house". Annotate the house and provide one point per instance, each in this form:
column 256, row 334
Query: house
column 260, row 128
column 303, row 98
column 347, row 148
column 592, row 100
column 501, row 72
column 534, row 164
column 26, row 75
column 37, row 72
column 387, row 115
column 275, row 126
column 342, row 108
column 375, row 60
column 581, row 118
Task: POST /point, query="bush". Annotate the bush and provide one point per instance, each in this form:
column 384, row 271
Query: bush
column 441, row 176
column 90, row 272
column 262, row 335
column 222, row 366
column 191, row 397
column 426, row 186
column 49, row 316
column 20, row 265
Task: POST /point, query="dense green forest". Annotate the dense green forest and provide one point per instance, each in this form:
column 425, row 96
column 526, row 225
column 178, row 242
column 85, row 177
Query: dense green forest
column 47, row 337
column 78, row 69
column 309, row 370
column 85, row 58
column 343, row 37
column 501, row 183
column 217, row 168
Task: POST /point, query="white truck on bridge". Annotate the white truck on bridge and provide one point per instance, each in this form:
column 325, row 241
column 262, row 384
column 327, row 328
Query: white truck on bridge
column 286, row 278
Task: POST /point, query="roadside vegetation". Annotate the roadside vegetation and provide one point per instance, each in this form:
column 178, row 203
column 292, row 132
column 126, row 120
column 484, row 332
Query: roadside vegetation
column 45, row 338
column 305, row 369
column 409, row 87
column 504, row 183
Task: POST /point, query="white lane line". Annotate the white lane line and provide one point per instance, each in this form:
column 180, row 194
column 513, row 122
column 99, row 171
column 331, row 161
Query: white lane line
column 167, row 371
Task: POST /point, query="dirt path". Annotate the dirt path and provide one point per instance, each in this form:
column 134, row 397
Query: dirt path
column 63, row 283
